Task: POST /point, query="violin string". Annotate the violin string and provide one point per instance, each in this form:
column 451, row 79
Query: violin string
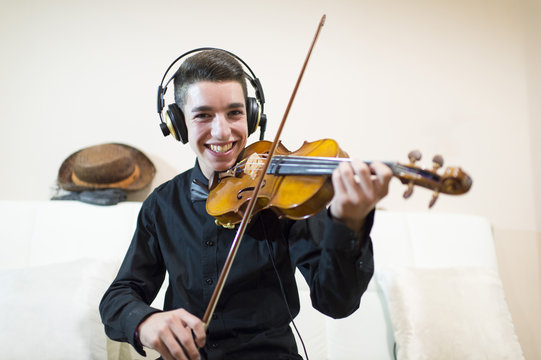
column 289, row 165
column 314, row 162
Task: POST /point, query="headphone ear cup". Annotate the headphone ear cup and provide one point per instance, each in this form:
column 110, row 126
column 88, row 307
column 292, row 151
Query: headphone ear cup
column 178, row 124
column 252, row 114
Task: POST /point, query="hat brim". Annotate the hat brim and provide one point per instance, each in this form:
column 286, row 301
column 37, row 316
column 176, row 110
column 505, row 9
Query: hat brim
column 146, row 173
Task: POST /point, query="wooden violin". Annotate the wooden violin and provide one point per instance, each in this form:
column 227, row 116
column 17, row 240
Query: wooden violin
column 297, row 184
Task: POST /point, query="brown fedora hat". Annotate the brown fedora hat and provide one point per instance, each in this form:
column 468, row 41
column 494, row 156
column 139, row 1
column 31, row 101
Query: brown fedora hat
column 106, row 166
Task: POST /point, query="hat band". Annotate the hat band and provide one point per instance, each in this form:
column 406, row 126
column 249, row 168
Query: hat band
column 119, row 184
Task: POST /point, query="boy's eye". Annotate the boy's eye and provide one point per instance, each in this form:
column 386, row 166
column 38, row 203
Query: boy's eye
column 236, row 113
column 202, row 116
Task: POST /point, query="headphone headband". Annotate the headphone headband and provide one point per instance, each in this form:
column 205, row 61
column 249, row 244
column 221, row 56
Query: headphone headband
column 260, row 119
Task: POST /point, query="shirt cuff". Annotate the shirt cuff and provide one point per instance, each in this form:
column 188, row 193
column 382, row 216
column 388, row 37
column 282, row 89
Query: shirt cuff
column 340, row 237
column 135, row 317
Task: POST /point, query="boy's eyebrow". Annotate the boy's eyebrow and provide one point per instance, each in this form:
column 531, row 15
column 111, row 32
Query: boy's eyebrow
column 209, row 108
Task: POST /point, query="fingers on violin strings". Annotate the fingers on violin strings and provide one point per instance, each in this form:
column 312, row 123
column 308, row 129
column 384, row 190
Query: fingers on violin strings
column 363, row 177
column 354, row 179
column 338, row 178
column 381, row 176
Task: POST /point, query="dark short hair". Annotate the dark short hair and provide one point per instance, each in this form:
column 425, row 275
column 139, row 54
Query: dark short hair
column 207, row 65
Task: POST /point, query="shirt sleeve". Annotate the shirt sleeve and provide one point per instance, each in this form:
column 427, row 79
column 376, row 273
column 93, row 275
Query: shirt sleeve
column 126, row 303
column 336, row 262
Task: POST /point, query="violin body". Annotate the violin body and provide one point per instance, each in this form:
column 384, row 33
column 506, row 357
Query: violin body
column 293, row 196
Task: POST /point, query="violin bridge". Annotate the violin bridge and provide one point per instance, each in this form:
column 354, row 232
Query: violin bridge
column 254, row 163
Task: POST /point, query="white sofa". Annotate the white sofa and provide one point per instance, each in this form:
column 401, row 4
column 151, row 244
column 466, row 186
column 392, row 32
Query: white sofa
column 58, row 257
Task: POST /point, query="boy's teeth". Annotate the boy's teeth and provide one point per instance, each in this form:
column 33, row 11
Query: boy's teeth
column 220, row 148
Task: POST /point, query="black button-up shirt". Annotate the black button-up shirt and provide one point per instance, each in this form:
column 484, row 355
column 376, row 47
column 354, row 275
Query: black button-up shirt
column 175, row 234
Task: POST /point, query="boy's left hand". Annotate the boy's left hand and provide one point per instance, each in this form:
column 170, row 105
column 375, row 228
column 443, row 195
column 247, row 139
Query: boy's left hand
column 357, row 189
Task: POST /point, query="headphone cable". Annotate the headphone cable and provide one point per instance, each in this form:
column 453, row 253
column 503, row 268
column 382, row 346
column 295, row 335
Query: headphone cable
column 283, row 291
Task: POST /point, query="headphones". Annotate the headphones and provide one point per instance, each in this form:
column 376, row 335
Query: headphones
column 174, row 122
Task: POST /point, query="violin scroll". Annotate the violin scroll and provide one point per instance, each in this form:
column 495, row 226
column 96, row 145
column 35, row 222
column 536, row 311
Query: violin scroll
column 453, row 181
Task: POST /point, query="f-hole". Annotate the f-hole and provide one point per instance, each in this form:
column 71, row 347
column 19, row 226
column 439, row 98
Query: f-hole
column 240, row 194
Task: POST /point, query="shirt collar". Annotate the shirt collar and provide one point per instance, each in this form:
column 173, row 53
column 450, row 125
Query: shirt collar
column 199, row 184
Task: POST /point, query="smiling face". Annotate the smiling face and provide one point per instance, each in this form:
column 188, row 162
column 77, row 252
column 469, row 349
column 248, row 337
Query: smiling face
column 215, row 114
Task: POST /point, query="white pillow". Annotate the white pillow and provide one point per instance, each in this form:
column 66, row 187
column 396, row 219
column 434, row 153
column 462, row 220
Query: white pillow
column 51, row 312
column 449, row 313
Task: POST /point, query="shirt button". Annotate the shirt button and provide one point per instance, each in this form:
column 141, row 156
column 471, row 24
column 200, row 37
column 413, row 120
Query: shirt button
column 214, row 345
column 209, row 243
column 209, row 281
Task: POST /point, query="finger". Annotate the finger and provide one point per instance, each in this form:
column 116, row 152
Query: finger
column 170, row 348
column 183, row 335
column 349, row 178
column 337, row 181
column 160, row 347
column 382, row 176
column 165, row 354
column 184, row 339
column 363, row 180
column 197, row 327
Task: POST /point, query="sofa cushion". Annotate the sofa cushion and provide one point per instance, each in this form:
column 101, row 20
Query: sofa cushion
column 70, row 230
column 17, row 220
column 450, row 240
column 353, row 338
column 50, row 311
column 449, row 313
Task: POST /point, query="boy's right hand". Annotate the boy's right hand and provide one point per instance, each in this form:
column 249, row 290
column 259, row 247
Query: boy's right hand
column 175, row 334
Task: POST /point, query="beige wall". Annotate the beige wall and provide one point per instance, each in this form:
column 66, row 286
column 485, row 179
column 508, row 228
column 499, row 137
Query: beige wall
column 520, row 299
column 460, row 78
column 532, row 35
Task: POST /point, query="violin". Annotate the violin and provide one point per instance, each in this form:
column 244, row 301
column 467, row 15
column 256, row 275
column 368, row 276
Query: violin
column 297, row 184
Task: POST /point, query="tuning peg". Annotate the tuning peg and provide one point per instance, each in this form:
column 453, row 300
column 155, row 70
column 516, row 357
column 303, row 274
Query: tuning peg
column 408, row 191
column 435, row 196
column 414, row 156
column 437, row 162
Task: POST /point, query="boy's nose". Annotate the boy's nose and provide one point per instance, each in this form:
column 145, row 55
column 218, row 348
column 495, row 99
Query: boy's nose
column 220, row 127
